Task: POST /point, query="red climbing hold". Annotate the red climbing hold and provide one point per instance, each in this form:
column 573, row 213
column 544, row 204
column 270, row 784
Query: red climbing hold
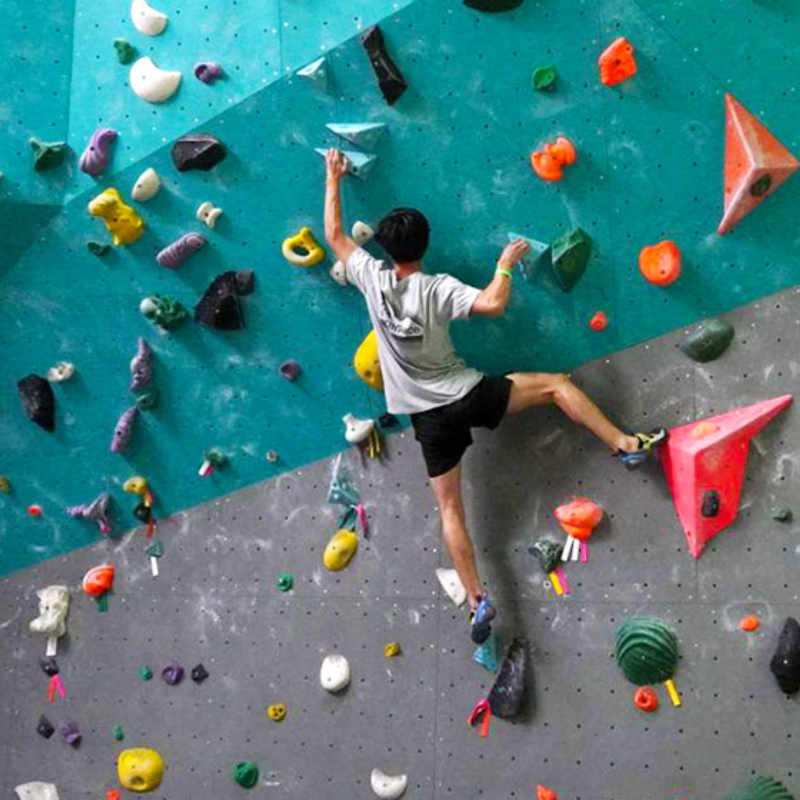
column 646, row 699
column 580, row 517
column 544, row 793
column 750, row 624
column 617, row 63
column 549, row 162
column 704, row 463
column 112, row 794
column 599, row 322
column 35, row 510
column 756, row 163
column 661, row 263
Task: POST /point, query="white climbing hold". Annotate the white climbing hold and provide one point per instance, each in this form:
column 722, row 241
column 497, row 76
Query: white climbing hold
column 37, row 790
column 363, row 134
column 146, row 186
column 357, row 430
column 337, row 272
column 209, row 213
column 317, row 73
column 389, row 787
column 334, row 674
column 452, row 585
column 151, row 83
column 62, row 371
column 358, row 164
column 146, row 19
column 361, row 232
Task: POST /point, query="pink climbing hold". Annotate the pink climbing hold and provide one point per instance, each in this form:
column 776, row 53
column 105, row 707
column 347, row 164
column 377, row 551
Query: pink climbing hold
column 173, row 255
column 704, row 463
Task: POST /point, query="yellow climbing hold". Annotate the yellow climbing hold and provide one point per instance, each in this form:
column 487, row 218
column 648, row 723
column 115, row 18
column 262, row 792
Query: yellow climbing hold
column 277, row 712
column 392, row 649
column 140, row 769
column 122, row 221
column 340, row 549
column 302, row 249
column 366, row 363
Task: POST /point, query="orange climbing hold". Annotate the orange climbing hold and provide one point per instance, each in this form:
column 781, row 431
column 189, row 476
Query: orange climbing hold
column 599, row 322
column 543, row 793
column 646, row 699
column 112, row 794
column 617, row 63
column 98, row 580
column 750, row 624
column 661, row 263
column 549, row 162
column 580, row 517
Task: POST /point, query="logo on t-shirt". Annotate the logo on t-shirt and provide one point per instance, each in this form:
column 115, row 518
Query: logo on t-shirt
column 399, row 327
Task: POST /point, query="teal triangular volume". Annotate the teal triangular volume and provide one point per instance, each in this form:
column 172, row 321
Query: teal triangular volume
column 362, row 134
column 538, row 257
column 361, row 164
column 316, row 72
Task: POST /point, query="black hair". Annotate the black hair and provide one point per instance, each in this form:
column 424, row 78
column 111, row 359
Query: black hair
column 404, row 233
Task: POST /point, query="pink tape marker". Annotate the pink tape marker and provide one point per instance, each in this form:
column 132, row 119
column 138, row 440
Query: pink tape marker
column 563, row 578
column 362, row 516
column 584, row 552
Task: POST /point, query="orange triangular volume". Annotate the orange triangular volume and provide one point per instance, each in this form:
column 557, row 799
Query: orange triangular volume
column 704, row 462
column 756, row 163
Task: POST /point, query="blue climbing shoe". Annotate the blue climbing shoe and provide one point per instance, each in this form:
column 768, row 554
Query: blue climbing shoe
column 480, row 620
column 648, row 442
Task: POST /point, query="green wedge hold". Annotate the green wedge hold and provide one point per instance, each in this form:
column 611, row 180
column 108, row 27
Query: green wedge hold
column 708, row 341
column 571, row 253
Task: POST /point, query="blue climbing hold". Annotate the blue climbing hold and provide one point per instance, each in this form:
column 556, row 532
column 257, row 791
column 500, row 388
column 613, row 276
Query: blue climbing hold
column 539, row 256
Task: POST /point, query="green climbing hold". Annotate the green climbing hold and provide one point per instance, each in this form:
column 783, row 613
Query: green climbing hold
column 145, row 673
column 761, row 186
column 708, row 341
column 547, row 553
column 761, row 787
column 155, row 550
column 647, row 650
column 571, row 254
column 246, row 774
column 215, row 457
column 102, row 602
column 98, row 249
column 119, row 734
column 147, row 401
column 544, row 78
column 126, row 52
column 47, row 155
column 782, row 513
column 285, row 582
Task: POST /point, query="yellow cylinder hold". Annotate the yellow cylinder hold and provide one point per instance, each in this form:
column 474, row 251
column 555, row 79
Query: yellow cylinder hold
column 302, row 249
column 366, row 363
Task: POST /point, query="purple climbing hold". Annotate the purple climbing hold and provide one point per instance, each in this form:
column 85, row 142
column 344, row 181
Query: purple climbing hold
column 96, row 511
column 70, row 733
column 124, row 429
column 291, row 370
column 172, row 673
column 207, row 71
column 141, row 365
column 38, row 401
column 173, row 255
column 94, row 159
column 390, row 79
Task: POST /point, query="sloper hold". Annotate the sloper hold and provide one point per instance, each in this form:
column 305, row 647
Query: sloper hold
column 197, row 151
column 571, row 253
column 358, row 164
column 390, row 79
column 221, row 307
column 756, row 163
column 316, row 73
column 762, row 787
column 785, row 663
column 538, row 256
column 362, row 134
column 708, row 341
column 508, row 693
column 38, row 401
column 711, row 455
column 493, row 6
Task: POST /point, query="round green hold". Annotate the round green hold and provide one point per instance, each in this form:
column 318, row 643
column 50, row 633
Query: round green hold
column 145, row 673
column 246, row 774
column 285, row 582
column 543, row 79
column 762, row 787
column 708, row 341
column 647, row 650
column 119, row 734
column 126, row 52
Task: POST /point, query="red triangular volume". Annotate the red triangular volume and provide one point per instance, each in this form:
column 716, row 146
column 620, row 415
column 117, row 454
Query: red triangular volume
column 704, row 462
column 756, row 163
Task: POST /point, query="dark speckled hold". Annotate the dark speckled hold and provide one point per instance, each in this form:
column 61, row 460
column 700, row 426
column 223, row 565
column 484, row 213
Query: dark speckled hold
column 199, row 673
column 547, row 553
column 172, row 673
column 49, row 666
column 197, row 151
column 45, row 727
column 38, row 401
column 390, row 80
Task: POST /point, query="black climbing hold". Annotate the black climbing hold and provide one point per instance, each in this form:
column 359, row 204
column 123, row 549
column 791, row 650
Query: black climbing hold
column 390, row 79
column 220, row 306
column 49, row 666
column 45, row 727
column 782, row 513
column 199, row 673
column 197, row 151
column 508, row 693
column 38, row 401
column 709, row 341
column 710, row 507
column 570, row 254
column 98, row 249
column 387, row 421
column 785, row 664
column 547, row 553
column 493, row 6
column 143, row 512
column 761, row 186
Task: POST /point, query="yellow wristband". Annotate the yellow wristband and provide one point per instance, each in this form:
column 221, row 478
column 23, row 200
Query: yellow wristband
column 501, row 271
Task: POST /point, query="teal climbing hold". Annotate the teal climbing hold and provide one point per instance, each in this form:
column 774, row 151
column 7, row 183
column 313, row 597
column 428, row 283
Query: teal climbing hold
column 538, row 256
column 359, row 164
column 98, row 249
column 361, row 134
column 543, row 79
column 126, row 52
column 145, row 673
column 762, row 787
column 489, row 654
column 316, row 73
column 708, row 341
column 47, row 155
column 285, row 582
column 156, row 549
column 571, row 253
column 118, row 733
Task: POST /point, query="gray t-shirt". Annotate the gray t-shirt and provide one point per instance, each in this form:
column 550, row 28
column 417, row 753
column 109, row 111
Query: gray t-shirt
column 412, row 320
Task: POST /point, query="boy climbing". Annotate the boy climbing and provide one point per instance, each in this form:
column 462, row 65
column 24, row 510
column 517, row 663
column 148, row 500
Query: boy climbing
column 411, row 313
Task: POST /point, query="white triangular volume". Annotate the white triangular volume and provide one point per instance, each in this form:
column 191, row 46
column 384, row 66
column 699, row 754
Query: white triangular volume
column 452, row 585
column 316, row 72
column 363, row 134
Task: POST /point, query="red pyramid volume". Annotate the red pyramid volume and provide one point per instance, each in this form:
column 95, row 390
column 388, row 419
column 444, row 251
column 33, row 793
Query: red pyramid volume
column 704, row 462
column 756, row 163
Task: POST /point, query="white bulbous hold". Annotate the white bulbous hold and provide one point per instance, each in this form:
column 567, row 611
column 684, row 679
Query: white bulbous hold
column 147, row 307
column 337, row 272
column 53, row 608
column 334, row 674
column 62, row 371
column 209, row 213
column 389, row 787
column 362, row 232
column 151, row 83
column 146, row 186
column 37, row 790
column 452, row 585
column 357, row 430
column 146, row 19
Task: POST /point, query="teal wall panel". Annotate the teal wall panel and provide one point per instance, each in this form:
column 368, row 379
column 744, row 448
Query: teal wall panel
column 458, row 146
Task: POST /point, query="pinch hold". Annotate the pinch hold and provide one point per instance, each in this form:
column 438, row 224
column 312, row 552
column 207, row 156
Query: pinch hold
column 95, row 157
column 173, row 255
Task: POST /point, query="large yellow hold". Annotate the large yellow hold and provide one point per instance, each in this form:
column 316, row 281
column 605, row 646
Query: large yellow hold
column 123, row 222
column 302, row 249
column 340, row 549
column 366, row 362
column 140, row 769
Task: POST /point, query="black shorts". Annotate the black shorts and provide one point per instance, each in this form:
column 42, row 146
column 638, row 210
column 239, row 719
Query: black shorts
column 444, row 432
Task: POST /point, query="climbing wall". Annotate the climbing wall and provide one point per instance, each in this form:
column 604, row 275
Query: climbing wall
column 216, row 602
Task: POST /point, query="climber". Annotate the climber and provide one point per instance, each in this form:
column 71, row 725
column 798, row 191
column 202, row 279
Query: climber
column 411, row 312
